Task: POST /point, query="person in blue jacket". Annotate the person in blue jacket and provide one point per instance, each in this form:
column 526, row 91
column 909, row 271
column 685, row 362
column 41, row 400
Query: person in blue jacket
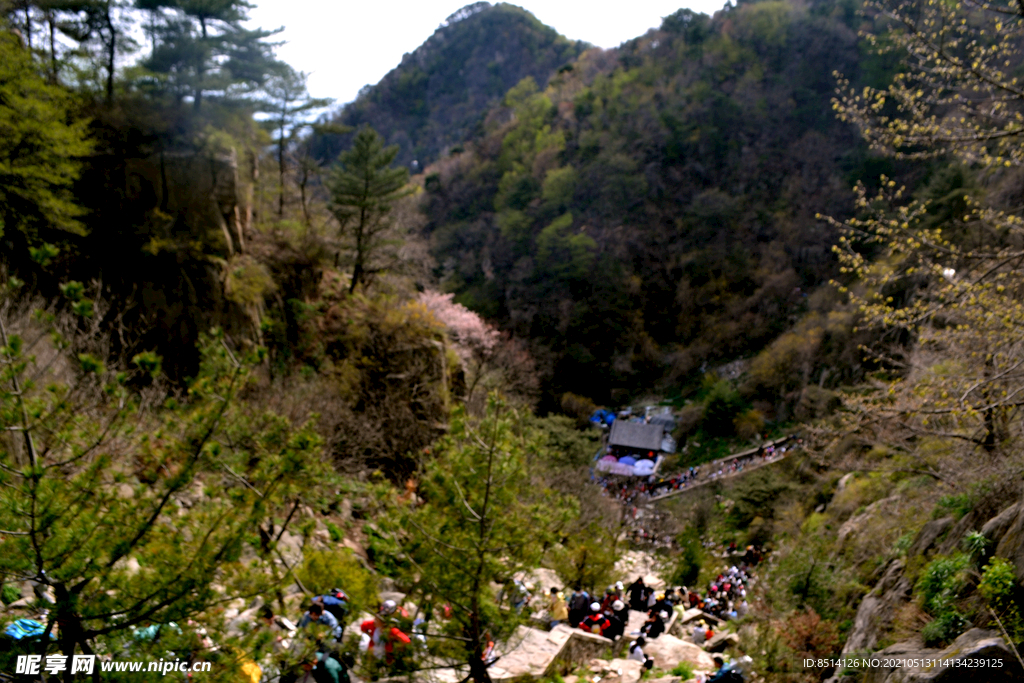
column 317, row 615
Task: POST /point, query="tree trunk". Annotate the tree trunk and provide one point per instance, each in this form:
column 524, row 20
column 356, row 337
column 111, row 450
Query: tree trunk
column 357, row 274
column 302, row 194
column 280, row 165
column 478, row 670
column 28, row 25
column 197, row 99
column 53, row 47
column 69, row 626
column 357, row 270
column 111, row 53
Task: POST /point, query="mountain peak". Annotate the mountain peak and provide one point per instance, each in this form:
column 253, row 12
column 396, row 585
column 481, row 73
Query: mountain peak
column 440, row 92
column 465, row 13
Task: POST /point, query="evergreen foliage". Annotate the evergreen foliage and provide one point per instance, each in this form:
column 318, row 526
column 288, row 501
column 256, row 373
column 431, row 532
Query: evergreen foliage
column 136, row 509
column 363, row 190
column 40, row 155
column 639, row 216
column 485, row 517
column 201, row 46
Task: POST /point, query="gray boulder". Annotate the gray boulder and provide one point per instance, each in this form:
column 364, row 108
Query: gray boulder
column 973, row 647
column 721, row 641
column 1011, row 544
column 929, row 536
column 995, row 528
column 876, row 611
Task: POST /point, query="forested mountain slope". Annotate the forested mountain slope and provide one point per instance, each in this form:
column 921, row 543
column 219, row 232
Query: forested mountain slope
column 653, row 208
column 439, row 93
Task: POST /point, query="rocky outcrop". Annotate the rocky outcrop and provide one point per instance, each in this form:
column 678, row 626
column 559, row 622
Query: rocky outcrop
column 721, row 641
column 1011, row 544
column 617, row 670
column 995, row 528
column 634, row 563
column 533, row 651
column 198, row 194
column 929, row 536
column 976, row 656
column 667, row 651
column 858, row 523
column 876, row 611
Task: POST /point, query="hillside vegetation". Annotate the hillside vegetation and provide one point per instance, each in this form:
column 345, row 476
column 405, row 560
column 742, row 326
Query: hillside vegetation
column 651, row 210
column 248, row 356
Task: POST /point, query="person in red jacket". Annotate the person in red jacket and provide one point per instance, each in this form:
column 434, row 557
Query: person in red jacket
column 384, row 634
column 596, row 622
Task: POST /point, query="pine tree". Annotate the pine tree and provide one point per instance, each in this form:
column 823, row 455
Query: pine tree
column 131, row 509
column 200, row 46
column 39, row 152
column 363, row 190
column 485, row 516
column 288, row 102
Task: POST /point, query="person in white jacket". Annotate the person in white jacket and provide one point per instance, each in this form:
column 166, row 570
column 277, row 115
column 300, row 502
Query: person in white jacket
column 636, row 653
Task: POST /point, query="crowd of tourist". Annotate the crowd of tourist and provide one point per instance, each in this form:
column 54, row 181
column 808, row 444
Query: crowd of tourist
column 384, row 638
column 630, row 490
column 608, row 614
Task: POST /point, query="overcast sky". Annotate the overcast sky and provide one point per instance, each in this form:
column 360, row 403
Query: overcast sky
column 346, row 44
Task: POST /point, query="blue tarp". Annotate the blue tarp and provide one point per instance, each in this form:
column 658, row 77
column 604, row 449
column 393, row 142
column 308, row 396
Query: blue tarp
column 24, row 628
column 602, row 416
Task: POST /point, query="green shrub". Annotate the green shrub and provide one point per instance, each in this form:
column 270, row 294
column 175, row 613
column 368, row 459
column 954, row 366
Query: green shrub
column 580, row 408
column 957, row 506
column 943, row 628
column 568, row 445
column 323, row 570
column 976, row 545
column 997, row 582
column 690, row 558
column 941, row 582
column 903, row 543
column 684, row 670
column 722, row 407
column 749, row 424
column 336, row 534
column 9, row 593
column 756, row 495
column 384, row 553
column 998, row 587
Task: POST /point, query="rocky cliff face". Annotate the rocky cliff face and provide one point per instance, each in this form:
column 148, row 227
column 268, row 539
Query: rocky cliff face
column 185, row 264
column 977, row 655
column 198, row 194
column 879, row 610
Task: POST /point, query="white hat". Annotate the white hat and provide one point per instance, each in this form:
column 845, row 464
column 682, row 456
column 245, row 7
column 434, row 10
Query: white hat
column 595, row 607
column 388, row 607
column 663, row 614
column 618, row 605
column 618, row 585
